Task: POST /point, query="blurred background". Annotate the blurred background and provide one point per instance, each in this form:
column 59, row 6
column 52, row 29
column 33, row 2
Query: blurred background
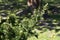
column 18, row 21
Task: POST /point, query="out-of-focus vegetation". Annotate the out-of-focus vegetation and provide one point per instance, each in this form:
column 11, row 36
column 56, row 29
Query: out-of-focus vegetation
column 39, row 26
